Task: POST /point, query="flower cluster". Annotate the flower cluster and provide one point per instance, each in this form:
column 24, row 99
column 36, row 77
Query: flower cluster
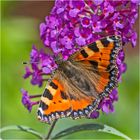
column 42, row 65
column 72, row 24
column 26, row 99
column 81, row 22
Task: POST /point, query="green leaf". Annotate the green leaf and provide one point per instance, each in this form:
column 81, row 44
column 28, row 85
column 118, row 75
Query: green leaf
column 22, row 128
column 95, row 127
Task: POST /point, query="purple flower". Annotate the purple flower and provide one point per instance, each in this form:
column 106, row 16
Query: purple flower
column 107, row 103
column 67, row 42
column 80, row 41
column 133, row 39
column 99, row 18
column 86, row 21
column 36, row 78
column 114, row 95
column 73, row 12
column 26, row 100
column 28, row 72
column 72, row 24
column 41, row 65
column 121, row 65
column 94, row 114
column 135, row 1
column 98, row 2
column 97, row 27
column 107, row 106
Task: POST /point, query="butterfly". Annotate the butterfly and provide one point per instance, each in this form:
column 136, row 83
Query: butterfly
column 82, row 81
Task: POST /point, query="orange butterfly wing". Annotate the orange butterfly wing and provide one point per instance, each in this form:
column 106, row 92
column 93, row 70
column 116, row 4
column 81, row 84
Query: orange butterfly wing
column 100, row 57
column 101, row 54
column 56, row 104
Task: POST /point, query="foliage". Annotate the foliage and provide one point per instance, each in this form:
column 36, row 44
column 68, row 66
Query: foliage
column 68, row 131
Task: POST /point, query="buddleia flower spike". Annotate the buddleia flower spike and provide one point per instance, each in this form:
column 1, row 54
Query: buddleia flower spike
column 79, row 23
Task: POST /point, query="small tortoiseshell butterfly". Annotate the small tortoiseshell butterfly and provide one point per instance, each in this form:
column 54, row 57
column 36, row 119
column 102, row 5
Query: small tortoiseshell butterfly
column 79, row 83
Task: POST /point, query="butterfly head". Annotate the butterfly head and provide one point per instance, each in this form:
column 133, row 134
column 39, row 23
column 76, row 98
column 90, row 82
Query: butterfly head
column 58, row 60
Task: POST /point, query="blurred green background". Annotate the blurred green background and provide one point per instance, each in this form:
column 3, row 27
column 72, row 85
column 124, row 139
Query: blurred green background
column 19, row 30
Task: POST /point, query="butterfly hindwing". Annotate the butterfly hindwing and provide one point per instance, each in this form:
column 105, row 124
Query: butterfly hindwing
column 54, row 103
column 82, row 108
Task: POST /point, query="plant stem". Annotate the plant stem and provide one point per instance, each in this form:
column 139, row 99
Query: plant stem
column 35, row 96
column 50, row 130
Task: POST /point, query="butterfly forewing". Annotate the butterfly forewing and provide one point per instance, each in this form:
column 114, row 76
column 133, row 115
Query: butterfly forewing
column 100, row 58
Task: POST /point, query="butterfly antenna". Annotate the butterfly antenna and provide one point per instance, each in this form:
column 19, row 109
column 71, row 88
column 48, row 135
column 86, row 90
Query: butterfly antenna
column 27, row 62
column 24, row 63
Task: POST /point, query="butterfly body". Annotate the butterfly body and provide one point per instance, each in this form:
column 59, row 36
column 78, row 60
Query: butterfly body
column 80, row 83
column 77, row 78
